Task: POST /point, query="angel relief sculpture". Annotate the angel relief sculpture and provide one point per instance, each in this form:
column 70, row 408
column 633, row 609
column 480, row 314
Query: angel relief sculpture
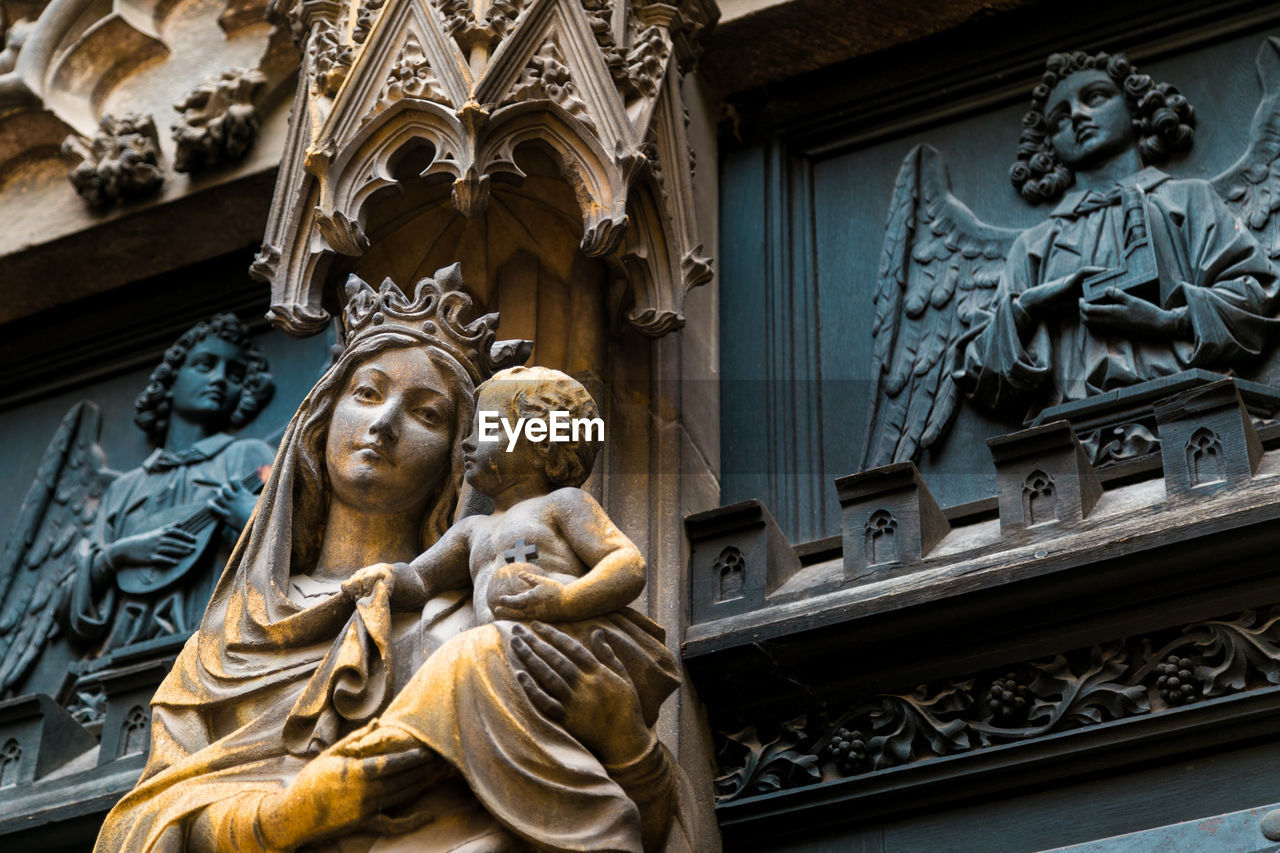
column 110, row 559
column 1134, row 275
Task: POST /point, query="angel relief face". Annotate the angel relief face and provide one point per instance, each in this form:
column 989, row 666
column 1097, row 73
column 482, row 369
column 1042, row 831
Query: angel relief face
column 1089, row 119
column 206, row 388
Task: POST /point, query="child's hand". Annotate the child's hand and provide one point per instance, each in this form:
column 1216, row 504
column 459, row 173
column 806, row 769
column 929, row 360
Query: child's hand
column 364, row 581
column 518, row 592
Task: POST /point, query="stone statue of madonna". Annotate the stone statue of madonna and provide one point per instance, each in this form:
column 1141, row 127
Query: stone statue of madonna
column 285, row 665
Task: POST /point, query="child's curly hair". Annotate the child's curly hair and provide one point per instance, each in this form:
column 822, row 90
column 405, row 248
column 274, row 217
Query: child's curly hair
column 1163, row 120
column 541, row 391
column 152, row 408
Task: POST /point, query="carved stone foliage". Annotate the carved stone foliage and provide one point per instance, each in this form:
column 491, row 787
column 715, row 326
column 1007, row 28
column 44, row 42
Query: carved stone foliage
column 967, row 309
column 82, row 69
column 597, row 88
column 547, row 78
column 411, row 77
column 1027, row 700
column 121, row 163
column 219, row 120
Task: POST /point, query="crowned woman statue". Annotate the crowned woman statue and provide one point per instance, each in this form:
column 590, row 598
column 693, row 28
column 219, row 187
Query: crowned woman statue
column 285, row 664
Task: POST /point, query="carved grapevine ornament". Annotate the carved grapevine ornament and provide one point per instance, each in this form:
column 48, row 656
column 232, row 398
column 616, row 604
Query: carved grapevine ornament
column 1084, row 687
column 595, row 83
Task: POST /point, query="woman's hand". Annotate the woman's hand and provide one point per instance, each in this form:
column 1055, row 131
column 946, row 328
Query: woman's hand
column 579, row 688
column 1126, row 314
column 346, row 785
column 365, row 580
column 1056, row 294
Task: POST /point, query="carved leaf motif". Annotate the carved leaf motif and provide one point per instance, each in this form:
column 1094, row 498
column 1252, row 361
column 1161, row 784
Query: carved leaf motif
column 121, row 163
column 645, row 62
column 1242, row 642
column 907, row 723
column 219, row 120
column 1067, row 698
column 761, row 768
column 343, row 234
column 411, row 77
column 331, row 59
column 502, row 15
column 367, row 11
column 457, row 15
column 547, row 77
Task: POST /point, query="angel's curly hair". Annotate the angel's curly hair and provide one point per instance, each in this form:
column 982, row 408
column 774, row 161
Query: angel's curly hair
column 538, row 391
column 153, row 405
column 1163, row 119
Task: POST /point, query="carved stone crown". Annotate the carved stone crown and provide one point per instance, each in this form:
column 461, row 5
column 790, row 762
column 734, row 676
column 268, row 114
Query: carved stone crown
column 435, row 315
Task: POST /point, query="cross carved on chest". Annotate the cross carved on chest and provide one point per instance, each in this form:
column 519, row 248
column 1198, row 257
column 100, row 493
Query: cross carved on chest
column 520, row 552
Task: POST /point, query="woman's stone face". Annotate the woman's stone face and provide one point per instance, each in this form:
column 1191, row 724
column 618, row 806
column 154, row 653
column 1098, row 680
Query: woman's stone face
column 390, row 438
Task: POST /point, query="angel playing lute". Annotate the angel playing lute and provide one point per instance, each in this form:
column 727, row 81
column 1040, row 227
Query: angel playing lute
column 114, row 559
column 1134, row 276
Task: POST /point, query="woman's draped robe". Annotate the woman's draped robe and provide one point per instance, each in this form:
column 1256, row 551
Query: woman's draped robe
column 1207, row 260
column 219, row 718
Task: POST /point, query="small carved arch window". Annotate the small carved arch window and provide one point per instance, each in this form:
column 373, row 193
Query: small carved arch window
column 730, row 568
column 133, row 732
column 1205, row 463
column 882, row 538
column 1039, row 499
column 10, row 760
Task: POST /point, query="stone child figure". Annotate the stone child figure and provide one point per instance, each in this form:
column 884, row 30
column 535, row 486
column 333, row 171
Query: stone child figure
column 1133, row 276
column 137, row 579
column 549, row 553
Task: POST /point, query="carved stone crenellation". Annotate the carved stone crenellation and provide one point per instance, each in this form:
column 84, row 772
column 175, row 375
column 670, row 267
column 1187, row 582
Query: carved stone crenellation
column 120, row 163
column 589, row 83
column 890, row 520
column 219, row 120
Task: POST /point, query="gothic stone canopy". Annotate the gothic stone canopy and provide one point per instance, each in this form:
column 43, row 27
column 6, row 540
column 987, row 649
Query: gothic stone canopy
column 594, row 83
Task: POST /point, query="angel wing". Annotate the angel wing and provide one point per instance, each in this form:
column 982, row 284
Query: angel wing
column 39, row 558
column 938, row 274
column 1251, row 186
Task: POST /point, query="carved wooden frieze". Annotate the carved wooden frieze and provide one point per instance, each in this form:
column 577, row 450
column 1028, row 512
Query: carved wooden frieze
column 597, row 84
column 1079, row 688
column 967, row 310
column 106, row 560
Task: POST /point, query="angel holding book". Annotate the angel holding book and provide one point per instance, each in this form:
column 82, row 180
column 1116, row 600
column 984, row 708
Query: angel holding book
column 1134, row 275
